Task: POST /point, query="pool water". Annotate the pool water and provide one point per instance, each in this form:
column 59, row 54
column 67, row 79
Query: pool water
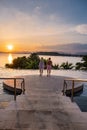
column 81, row 99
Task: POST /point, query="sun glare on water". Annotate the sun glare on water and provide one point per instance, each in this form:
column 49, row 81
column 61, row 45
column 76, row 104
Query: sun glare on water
column 10, row 48
column 10, row 58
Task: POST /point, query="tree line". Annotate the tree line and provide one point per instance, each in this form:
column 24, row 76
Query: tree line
column 33, row 60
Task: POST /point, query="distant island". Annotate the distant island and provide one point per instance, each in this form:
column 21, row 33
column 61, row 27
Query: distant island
column 56, row 54
column 46, row 53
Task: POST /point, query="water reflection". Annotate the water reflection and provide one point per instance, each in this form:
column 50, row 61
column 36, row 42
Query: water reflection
column 10, row 58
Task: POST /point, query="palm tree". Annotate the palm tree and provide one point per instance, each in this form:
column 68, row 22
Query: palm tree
column 66, row 65
column 82, row 65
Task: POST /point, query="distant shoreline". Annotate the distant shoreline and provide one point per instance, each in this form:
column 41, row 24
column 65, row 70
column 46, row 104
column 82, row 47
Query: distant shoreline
column 45, row 53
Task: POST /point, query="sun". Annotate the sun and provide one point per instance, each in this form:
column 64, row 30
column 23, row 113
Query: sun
column 10, row 47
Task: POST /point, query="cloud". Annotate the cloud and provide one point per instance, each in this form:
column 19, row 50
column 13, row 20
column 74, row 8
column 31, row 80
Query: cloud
column 15, row 24
column 82, row 29
column 67, row 48
column 21, row 24
column 37, row 10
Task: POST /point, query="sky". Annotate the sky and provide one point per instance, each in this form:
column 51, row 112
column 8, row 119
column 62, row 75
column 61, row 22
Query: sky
column 43, row 25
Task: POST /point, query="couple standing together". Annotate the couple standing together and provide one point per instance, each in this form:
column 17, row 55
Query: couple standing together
column 42, row 66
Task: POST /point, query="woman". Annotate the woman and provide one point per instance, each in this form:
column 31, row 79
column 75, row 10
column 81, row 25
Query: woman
column 49, row 66
column 41, row 66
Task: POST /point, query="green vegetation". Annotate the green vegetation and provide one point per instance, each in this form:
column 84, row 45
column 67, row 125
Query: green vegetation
column 24, row 62
column 66, row 65
column 82, row 65
column 55, row 66
column 32, row 62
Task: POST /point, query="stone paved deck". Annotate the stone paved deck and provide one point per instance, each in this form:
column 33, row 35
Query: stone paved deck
column 43, row 107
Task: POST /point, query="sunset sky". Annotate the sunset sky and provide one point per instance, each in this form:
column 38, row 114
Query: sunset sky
column 43, row 25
